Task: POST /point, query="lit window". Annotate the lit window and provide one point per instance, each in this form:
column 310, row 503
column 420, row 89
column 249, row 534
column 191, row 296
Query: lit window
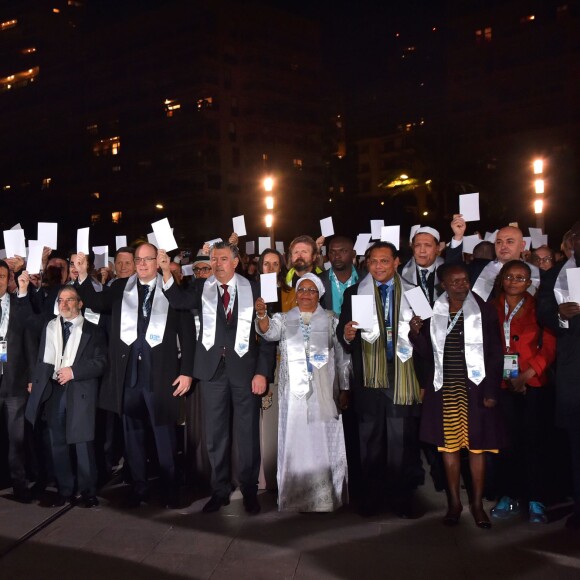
column 8, row 24
column 205, row 103
column 264, row 157
column 93, row 129
column 116, row 217
column 6, row 188
column 19, row 79
column 483, row 34
column 487, row 34
column 96, row 195
column 46, row 182
column 171, row 106
column 74, row 3
column 528, row 18
column 111, row 146
column 116, row 168
column 95, row 218
column 56, row 10
column 297, row 163
column 29, row 50
column 410, row 49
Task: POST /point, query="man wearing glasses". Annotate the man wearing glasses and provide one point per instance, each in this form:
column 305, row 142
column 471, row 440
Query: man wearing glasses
column 146, row 374
column 202, row 267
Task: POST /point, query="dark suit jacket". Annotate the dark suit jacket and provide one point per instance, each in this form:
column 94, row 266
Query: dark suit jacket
column 166, row 365
column 326, row 300
column 81, row 393
column 259, row 360
column 567, row 350
column 21, row 350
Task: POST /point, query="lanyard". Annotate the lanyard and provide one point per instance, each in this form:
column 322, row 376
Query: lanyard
column 453, row 322
column 508, row 321
column 346, row 285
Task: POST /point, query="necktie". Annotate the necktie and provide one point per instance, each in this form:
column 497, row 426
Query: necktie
column 226, row 301
column 65, row 333
column 147, row 301
column 384, row 290
column 424, row 274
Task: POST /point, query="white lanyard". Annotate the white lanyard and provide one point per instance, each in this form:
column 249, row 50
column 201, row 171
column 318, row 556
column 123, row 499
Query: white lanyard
column 346, row 284
column 453, row 322
column 508, row 321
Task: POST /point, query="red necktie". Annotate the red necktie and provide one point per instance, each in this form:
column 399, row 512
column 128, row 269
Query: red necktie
column 226, row 301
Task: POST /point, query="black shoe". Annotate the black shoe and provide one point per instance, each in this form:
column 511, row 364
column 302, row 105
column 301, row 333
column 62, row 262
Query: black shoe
column 135, row 500
column 252, row 505
column 215, row 503
column 171, row 501
column 90, row 501
column 61, row 500
column 405, row 509
column 22, row 494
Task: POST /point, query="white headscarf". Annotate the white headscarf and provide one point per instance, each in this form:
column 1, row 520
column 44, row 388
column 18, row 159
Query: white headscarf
column 313, row 278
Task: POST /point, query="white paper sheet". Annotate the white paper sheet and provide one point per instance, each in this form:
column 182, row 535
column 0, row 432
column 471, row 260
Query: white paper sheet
column 187, row 269
column 538, row 239
column 327, row 265
column 120, row 242
column 250, row 248
column 573, row 275
column 490, row 236
column 263, row 244
column 362, row 311
column 323, row 250
column 48, row 234
column 376, row 226
column 211, row 243
column 164, row 235
column 528, row 241
column 83, row 240
column 101, row 256
column 280, row 247
column 34, row 262
column 239, row 225
column 469, row 206
column 326, row 227
column 469, row 242
column 391, row 234
column 15, row 243
column 16, row 227
column 419, row 303
column 269, row 287
column 362, row 242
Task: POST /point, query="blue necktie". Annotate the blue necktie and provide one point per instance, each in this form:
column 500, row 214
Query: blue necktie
column 384, row 289
column 65, row 333
column 147, row 301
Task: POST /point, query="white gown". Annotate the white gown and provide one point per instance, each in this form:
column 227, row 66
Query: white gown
column 312, row 467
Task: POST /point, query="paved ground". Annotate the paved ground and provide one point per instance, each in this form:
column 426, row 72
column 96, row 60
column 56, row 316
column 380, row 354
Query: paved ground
column 108, row 542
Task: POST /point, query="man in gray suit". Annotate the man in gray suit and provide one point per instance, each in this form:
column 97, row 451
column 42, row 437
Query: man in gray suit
column 233, row 368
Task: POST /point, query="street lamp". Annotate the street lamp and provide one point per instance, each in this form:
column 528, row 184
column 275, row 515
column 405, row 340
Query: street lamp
column 539, row 188
column 268, row 187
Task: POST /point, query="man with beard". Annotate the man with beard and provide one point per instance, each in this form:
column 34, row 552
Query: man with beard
column 303, row 252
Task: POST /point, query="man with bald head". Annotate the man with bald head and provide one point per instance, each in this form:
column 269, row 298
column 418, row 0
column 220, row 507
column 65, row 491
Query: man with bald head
column 509, row 245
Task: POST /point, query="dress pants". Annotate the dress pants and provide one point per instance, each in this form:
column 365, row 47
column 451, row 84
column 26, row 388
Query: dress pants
column 12, row 415
column 138, row 416
column 86, row 466
column 220, row 397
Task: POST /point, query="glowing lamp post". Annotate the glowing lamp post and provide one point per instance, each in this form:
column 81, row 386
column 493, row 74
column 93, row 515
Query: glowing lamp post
column 268, row 187
column 539, row 188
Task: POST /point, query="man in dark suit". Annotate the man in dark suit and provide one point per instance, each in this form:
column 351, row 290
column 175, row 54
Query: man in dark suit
column 555, row 311
column 233, row 368
column 72, row 357
column 146, row 374
column 17, row 354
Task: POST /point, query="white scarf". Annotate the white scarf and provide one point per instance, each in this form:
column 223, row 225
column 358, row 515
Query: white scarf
column 403, row 347
column 53, row 354
column 561, row 291
column 5, row 300
column 409, row 273
column 472, row 334
column 130, row 309
column 209, row 305
column 485, row 281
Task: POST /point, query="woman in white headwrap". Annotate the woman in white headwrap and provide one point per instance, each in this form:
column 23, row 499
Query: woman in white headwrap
column 314, row 378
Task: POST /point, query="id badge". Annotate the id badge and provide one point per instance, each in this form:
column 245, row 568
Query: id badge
column 3, row 351
column 389, row 334
column 510, row 366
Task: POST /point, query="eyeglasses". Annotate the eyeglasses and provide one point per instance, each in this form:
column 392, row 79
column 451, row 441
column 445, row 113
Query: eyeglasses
column 302, row 290
column 146, row 260
column 518, row 279
column 544, row 260
column 204, row 269
column 67, row 300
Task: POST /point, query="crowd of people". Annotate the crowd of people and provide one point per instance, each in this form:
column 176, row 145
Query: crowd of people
column 96, row 365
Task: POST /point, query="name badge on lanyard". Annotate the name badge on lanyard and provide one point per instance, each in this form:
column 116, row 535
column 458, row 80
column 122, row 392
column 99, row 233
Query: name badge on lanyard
column 389, row 331
column 510, row 360
column 3, row 351
column 511, row 369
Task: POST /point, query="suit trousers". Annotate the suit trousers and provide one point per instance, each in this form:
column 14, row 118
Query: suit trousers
column 12, row 415
column 86, row 465
column 138, row 416
column 222, row 399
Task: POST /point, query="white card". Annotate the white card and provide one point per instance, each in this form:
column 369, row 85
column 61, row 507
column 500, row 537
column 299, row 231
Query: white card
column 573, row 275
column 16, row 227
column 152, row 240
column 250, row 248
column 391, row 234
column 48, row 234
column 269, row 287
column 362, row 310
column 528, row 241
column 419, row 303
column 413, row 231
column 376, row 226
column 326, row 227
column 211, row 243
column 490, row 236
column 280, row 247
column 362, row 242
column 469, row 206
column 83, row 240
column 187, row 270
column 239, row 224
column 263, row 244
column 34, row 262
column 469, row 243
column 2, row 254
column 101, row 256
column 15, row 243
column 120, row 242
column 327, row 265
column 538, row 239
column 164, row 235
column 323, row 250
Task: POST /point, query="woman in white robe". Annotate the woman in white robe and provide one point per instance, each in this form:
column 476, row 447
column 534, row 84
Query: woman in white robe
column 312, row 387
